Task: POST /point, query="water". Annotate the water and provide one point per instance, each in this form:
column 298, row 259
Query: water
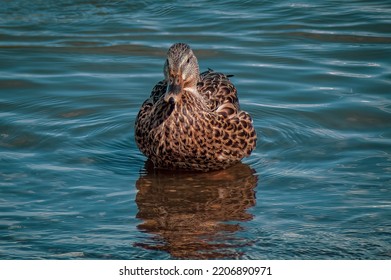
column 315, row 76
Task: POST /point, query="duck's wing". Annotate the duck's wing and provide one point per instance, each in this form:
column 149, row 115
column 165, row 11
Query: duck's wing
column 158, row 90
column 219, row 92
column 152, row 113
column 146, row 113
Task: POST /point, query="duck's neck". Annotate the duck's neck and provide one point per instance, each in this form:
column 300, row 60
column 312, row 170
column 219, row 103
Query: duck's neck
column 192, row 100
column 192, row 93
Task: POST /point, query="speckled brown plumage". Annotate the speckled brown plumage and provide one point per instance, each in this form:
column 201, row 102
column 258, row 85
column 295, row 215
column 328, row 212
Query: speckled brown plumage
column 193, row 121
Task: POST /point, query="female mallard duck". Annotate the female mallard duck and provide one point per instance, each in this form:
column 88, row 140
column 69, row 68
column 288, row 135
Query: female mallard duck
column 192, row 121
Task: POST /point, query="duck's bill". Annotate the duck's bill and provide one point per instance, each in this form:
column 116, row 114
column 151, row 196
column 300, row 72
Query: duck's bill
column 173, row 92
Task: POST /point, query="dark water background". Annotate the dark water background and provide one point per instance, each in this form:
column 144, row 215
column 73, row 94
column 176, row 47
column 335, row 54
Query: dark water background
column 314, row 75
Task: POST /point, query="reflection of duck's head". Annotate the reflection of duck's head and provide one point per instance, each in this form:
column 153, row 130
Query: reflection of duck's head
column 192, row 214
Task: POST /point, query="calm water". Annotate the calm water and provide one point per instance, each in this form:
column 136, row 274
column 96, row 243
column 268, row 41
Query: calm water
column 315, row 76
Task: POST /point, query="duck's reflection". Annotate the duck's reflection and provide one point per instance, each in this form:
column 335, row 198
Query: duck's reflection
column 195, row 215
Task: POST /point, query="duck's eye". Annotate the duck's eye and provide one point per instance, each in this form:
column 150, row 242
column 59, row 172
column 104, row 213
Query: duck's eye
column 188, row 60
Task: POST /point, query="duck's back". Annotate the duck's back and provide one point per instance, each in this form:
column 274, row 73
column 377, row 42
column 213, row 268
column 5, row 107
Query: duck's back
column 217, row 90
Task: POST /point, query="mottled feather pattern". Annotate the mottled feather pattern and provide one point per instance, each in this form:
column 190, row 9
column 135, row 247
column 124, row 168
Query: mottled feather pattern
column 203, row 130
column 217, row 90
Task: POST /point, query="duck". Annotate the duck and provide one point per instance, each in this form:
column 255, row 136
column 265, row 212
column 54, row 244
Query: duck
column 192, row 121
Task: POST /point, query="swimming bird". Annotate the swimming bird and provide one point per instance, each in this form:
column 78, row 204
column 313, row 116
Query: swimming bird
column 193, row 121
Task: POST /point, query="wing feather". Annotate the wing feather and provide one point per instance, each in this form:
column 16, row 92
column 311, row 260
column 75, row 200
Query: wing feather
column 219, row 92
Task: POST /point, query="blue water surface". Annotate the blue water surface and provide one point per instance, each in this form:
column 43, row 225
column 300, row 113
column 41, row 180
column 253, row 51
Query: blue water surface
column 314, row 75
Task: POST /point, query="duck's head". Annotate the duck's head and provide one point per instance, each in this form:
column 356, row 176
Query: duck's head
column 180, row 71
